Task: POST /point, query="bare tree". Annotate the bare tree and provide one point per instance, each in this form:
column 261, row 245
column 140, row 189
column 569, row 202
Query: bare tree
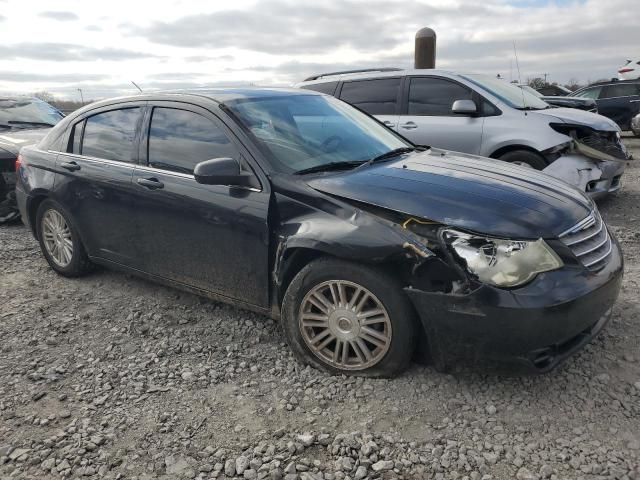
column 573, row 84
column 536, row 83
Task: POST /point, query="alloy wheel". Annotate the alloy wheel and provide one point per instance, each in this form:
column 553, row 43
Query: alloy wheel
column 345, row 325
column 57, row 239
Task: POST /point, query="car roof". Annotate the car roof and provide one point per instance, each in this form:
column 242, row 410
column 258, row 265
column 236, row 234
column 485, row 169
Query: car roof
column 372, row 73
column 218, row 95
column 613, row 81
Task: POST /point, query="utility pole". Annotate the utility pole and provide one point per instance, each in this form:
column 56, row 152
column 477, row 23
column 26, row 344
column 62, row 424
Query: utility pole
column 81, row 96
column 545, row 78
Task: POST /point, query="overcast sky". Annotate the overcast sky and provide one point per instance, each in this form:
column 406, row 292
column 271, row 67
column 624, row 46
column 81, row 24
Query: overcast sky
column 101, row 46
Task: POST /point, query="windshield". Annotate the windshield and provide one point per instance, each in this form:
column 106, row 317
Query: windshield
column 527, row 88
column 300, row 132
column 507, row 92
column 27, row 113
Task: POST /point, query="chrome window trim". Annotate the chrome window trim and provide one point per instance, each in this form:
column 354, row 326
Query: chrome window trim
column 143, row 168
column 96, row 159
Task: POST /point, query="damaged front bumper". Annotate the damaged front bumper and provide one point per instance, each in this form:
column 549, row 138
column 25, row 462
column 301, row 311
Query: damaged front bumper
column 596, row 178
column 538, row 325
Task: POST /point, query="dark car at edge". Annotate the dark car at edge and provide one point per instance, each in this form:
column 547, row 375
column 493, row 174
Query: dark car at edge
column 23, row 121
column 296, row 205
column 618, row 100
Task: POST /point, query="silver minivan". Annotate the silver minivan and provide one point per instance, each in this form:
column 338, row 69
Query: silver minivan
column 489, row 117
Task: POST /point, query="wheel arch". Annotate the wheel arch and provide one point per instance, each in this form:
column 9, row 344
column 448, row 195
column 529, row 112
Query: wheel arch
column 512, row 148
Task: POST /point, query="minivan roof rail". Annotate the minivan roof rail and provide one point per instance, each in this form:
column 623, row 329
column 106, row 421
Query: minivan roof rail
column 344, row 72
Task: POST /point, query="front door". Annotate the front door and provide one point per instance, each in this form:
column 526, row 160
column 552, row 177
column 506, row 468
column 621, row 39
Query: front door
column 211, row 237
column 428, row 119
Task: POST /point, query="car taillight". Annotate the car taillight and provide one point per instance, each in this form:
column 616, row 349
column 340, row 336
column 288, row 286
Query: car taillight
column 625, row 70
column 18, row 162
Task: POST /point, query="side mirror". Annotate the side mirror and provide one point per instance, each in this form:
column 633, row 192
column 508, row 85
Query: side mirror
column 464, row 107
column 223, row 171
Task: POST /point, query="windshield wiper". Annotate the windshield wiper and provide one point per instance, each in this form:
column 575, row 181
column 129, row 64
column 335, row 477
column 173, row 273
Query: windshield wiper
column 326, row 167
column 390, row 154
column 39, row 124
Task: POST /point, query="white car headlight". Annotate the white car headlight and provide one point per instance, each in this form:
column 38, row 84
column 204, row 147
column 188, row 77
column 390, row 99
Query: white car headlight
column 502, row 263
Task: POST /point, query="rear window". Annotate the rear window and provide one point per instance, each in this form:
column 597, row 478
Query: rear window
column 376, row 97
column 620, row 90
column 110, row 135
column 328, row 87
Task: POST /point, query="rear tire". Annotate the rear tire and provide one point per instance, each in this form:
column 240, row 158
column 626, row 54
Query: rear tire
column 60, row 242
column 524, row 158
column 347, row 318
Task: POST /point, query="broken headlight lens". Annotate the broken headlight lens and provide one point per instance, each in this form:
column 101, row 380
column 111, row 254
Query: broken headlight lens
column 502, row 263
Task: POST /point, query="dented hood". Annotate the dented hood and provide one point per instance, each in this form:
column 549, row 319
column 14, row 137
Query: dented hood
column 482, row 195
column 579, row 117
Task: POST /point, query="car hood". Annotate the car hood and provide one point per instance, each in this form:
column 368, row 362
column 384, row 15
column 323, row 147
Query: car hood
column 14, row 140
column 473, row 193
column 579, row 117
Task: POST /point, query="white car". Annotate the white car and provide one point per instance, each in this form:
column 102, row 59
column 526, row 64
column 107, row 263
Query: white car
column 485, row 116
column 630, row 70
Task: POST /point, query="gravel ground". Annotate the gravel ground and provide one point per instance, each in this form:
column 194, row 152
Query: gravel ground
column 110, row 376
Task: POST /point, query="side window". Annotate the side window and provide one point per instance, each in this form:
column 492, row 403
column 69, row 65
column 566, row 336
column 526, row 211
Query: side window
column 593, row 93
column 180, row 139
column 376, row 97
column 435, row 96
column 619, row 90
column 328, row 87
column 110, row 135
column 74, row 138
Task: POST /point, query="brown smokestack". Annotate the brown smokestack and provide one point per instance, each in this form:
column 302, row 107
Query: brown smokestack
column 425, row 52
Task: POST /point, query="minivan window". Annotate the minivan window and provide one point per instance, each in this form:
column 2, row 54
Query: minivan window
column 110, row 135
column 435, row 96
column 180, row 139
column 620, row 90
column 328, row 87
column 376, row 97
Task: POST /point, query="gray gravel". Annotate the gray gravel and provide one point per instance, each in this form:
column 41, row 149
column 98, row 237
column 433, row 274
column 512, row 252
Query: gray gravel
column 113, row 377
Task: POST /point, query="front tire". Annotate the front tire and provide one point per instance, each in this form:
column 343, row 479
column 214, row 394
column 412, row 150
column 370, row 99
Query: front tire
column 347, row 318
column 524, row 158
column 59, row 241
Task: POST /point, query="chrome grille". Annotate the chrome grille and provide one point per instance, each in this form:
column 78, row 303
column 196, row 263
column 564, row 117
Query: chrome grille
column 590, row 241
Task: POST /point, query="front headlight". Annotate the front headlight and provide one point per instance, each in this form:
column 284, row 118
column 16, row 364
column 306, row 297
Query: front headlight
column 502, row 263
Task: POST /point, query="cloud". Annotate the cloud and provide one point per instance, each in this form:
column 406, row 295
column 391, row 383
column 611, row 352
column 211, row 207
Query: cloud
column 67, row 52
column 287, row 27
column 206, row 58
column 60, row 16
column 2, row 18
column 94, row 28
column 52, row 78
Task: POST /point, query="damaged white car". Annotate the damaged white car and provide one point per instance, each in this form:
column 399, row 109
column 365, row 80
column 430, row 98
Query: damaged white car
column 487, row 116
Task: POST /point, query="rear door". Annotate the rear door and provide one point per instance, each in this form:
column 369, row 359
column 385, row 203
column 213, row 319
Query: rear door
column 212, row 237
column 94, row 181
column 426, row 117
column 619, row 102
column 379, row 97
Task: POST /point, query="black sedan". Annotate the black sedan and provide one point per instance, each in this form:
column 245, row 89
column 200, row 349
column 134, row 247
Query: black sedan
column 23, row 121
column 296, row 205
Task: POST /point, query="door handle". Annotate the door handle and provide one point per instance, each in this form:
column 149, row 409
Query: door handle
column 71, row 166
column 409, row 126
column 388, row 123
column 150, row 183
